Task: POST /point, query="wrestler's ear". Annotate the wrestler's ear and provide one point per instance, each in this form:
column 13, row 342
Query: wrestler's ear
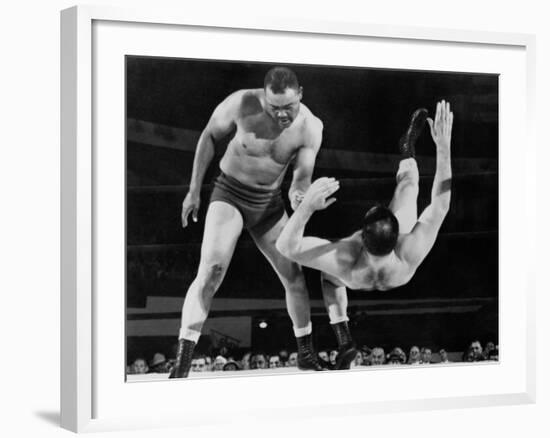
column 301, row 93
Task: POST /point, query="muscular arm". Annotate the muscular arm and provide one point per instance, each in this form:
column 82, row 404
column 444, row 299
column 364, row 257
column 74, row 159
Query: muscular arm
column 221, row 122
column 314, row 252
column 305, row 162
column 416, row 246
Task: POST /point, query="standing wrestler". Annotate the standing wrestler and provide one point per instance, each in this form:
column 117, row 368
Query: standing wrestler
column 272, row 127
column 394, row 241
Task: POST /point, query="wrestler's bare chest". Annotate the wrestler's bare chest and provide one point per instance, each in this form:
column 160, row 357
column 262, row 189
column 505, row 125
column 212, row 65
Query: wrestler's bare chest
column 257, row 138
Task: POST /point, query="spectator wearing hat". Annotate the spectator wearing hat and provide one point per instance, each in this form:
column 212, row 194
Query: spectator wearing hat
column 219, row 363
column 366, row 352
column 231, row 365
column 158, row 364
column 397, row 357
column 283, row 356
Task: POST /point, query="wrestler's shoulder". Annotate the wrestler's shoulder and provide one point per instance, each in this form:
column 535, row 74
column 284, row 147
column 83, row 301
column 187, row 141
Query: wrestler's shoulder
column 245, row 99
column 310, row 120
column 311, row 128
column 350, row 246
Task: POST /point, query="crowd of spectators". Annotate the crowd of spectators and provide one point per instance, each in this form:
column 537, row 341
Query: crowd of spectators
column 225, row 360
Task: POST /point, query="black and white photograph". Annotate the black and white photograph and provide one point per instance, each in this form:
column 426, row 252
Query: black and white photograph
column 293, row 218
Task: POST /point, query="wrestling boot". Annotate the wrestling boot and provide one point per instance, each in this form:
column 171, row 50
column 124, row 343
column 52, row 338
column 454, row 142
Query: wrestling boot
column 180, row 370
column 347, row 351
column 408, row 140
column 307, row 356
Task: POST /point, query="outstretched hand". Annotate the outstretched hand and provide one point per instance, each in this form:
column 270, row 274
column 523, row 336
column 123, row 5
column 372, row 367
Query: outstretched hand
column 318, row 195
column 442, row 126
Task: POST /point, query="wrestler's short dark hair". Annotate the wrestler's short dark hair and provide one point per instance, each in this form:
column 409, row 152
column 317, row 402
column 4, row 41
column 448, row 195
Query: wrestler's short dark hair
column 380, row 231
column 279, row 79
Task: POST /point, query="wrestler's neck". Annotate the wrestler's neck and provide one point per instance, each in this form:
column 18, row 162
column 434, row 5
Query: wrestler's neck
column 374, row 261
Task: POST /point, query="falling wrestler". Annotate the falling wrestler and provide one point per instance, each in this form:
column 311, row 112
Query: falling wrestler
column 394, row 241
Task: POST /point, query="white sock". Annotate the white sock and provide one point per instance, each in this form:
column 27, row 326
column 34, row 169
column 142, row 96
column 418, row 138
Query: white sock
column 189, row 334
column 304, row 331
column 336, row 319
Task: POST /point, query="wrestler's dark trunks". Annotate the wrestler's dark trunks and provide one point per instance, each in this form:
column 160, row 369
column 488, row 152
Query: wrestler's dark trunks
column 260, row 208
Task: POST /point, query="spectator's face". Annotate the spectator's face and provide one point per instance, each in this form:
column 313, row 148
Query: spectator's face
column 414, row 354
column 489, row 347
column 471, row 356
column 283, row 355
column 427, row 355
column 293, row 359
column 323, row 355
column 198, row 365
column 476, row 348
column 140, row 366
column 358, row 361
column 218, row 364
column 365, row 355
column 443, row 355
column 333, row 356
column 274, row 362
column 257, row 362
column 377, row 356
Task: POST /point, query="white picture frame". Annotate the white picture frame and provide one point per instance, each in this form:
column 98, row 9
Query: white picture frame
column 81, row 370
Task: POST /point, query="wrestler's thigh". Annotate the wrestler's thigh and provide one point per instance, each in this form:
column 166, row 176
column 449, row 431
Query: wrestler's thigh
column 406, row 190
column 222, row 229
column 285, row 268
column 404, row 201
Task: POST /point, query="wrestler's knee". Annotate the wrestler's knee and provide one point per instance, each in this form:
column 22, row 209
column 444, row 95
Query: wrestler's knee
column 408, row 168
column 210, row 276
column 293, row 280
column 407, row 175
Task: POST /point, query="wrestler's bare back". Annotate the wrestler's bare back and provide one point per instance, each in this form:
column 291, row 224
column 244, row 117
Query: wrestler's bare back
column 260, row 150
column 362, row 271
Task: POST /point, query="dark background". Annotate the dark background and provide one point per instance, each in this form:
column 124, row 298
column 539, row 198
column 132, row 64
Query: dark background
column 364, row 111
